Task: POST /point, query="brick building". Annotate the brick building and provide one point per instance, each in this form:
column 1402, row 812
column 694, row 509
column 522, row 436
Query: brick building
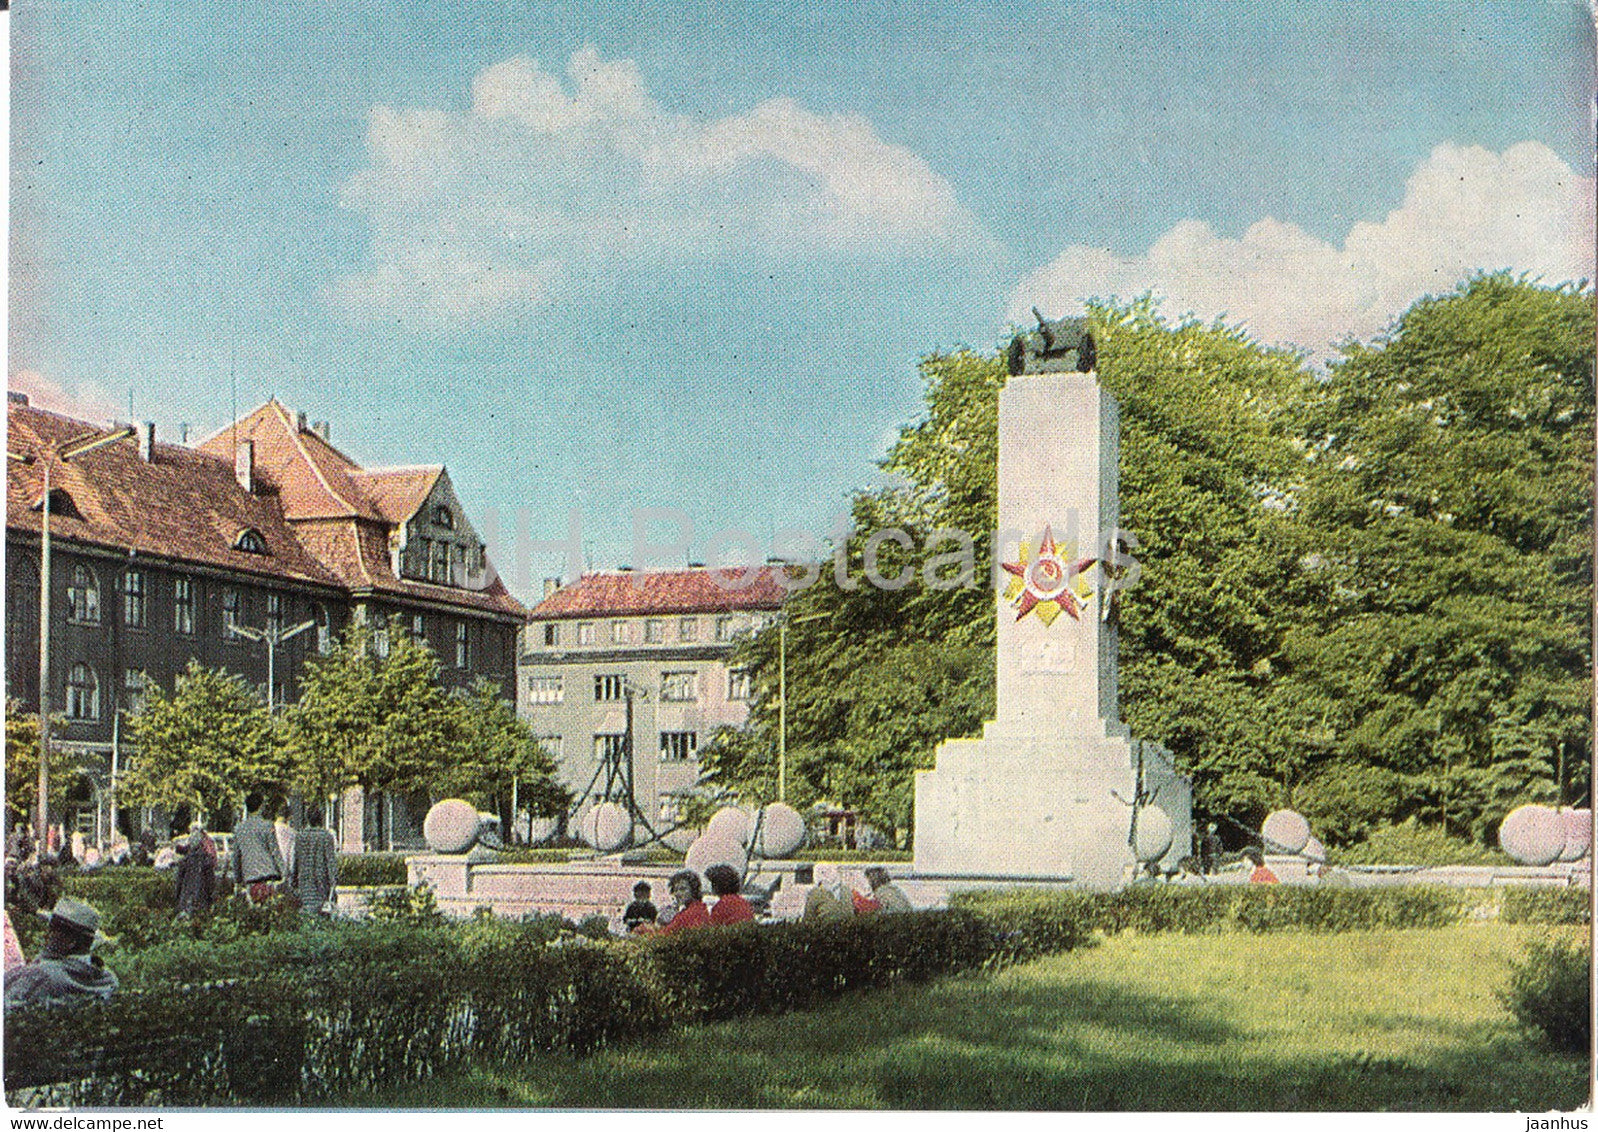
column 159, row 550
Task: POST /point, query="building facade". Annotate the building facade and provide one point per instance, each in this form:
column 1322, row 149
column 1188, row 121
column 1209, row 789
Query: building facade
column 661, row 640
column 160, row 551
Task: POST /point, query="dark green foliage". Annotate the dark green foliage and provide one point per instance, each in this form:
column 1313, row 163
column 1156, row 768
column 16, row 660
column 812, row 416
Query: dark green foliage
column 367, row 869
column 1546, row 906
column 1551, row 991
column 1410, row 843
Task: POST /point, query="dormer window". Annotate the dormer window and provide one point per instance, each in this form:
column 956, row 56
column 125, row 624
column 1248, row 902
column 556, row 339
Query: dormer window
column 250, row 541
column 443, row 517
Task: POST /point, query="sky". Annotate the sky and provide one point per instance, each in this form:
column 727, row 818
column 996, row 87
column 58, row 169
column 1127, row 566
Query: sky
column 611, row 257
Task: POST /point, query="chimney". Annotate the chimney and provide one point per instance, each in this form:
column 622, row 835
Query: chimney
column 147, row 442
column 551, row 585
column 183, row 433
column 299, row 421
column 321, row 429
column 16, row 397
column 244, row 464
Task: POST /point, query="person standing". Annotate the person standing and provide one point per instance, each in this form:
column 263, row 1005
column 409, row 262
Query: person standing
column 284, row 832
column 257, row 864
column 196, row 873
column 314, row 869
column 1209, row 850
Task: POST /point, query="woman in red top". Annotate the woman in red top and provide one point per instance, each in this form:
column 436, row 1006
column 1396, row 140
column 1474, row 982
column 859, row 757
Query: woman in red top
column 731, row 908
column 686, row 891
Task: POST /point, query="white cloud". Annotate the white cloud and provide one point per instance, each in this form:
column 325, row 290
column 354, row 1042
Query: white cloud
column 1465, row 209
column 547, row 180
column 86, row 401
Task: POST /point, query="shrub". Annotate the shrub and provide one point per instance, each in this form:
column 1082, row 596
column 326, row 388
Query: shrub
column 1410, row 843
column 1546, row 906
column 1551, row 991
column 362, row 870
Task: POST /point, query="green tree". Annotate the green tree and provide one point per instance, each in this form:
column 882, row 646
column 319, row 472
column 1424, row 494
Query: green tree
column 204, row 745
column 1448, row 507
column 22, row 766
column 384, row 723
column 497, row 749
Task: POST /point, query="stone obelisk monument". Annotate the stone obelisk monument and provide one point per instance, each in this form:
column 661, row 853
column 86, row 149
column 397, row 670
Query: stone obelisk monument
column 1056, row 787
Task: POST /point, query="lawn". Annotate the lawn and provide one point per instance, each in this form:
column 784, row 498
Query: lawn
column 1401, row 1020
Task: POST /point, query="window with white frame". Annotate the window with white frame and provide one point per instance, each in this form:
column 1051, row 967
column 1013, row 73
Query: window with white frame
column 183, row 605
column 418, row 627
column 274, row 613
column 654, row 631
column 609, row 687
column 678, row 746
column 83, row 693
column 324, row 629
column 724, row 629
column 133, row 689
column 618, row 632
column 232, row 612
column 83, row 596
column 546, row 689
column 679, row 687
column 609, row 748
column 740, row 684
column 585, row 632
column 688, row 629
column 380, row 641
column 552, row 634
column 463, row 645
column 133, row 609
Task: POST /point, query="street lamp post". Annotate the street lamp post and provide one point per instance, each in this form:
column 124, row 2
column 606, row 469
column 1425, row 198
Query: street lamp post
column 273, row 636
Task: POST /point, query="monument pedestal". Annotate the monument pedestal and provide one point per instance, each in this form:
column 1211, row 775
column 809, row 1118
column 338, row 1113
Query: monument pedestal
column 1053, row 787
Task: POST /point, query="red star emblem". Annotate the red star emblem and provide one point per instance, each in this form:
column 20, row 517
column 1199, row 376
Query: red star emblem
column 1045, row 583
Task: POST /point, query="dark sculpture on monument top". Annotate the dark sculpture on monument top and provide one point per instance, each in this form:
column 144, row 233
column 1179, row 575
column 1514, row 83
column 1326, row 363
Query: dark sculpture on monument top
column 1062, row 346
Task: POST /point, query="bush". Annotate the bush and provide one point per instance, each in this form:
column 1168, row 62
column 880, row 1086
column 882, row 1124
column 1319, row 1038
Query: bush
column 1546, row 906
column 1551, row 991
column 368, row 870
column 1410, row 843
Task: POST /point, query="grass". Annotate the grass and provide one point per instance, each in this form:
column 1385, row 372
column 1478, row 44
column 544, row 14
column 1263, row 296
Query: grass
column 1400, row 1020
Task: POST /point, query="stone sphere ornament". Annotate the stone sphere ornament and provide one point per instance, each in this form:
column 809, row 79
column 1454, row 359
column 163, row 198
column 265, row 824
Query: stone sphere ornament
column 451, row 826
column 1315, row 851
column 779, row 830
column 1533, row 835
column 1578, row 834
column 1154, row 830
column 712, row 849
column 607, row 827
column 1285, row 831
column 730, row 822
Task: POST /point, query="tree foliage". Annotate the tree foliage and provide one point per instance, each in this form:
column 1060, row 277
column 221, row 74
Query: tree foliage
column 22, row 766
column 204, row 745
column 1364, row 593
column 496, row 749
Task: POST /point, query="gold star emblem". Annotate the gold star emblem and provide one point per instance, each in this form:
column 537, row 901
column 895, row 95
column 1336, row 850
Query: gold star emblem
column 1046, row 584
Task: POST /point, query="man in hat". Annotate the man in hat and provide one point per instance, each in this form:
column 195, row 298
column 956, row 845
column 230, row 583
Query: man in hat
column 65, row 974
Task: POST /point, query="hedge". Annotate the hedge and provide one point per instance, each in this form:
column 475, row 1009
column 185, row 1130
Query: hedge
column 1546, row 906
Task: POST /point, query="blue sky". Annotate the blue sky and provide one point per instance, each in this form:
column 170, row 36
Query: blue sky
column 618, row 256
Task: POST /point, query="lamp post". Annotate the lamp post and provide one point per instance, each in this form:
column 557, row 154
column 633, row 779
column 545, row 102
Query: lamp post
column 65, row 453
column 273, row 636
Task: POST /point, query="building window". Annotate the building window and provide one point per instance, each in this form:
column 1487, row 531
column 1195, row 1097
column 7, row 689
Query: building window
column 546, row 690
column 83, row 693
column 274, row 613
column 438, row 563
column 462, row 647
column 654, row 631
column 739, row 684
column 688, row 629
column 232, row 611
column 554, row 746
column 443, row 517
column 250, row 541
column 585, row 632
column 551, row 634
column 183, row 605
column 618, row 632
column 679, row 687
column 609, row 748
column 83, row 597
column 133, row 599
column 678, row 746
column 133, row 682
column 324, row 629
column 380, row 641
column 608, row 688
column 724, row 630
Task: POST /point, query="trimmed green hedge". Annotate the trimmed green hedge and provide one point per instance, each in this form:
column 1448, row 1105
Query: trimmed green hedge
column 1551, row 991
column 1546, row 906
column 371, row 869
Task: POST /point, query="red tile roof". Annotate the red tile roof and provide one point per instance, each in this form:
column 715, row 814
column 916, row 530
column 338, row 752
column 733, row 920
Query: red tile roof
column 184, row 504
column 632, row 593
column 323, row 517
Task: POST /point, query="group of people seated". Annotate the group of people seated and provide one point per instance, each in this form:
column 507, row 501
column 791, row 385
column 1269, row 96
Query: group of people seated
column 818, row 896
